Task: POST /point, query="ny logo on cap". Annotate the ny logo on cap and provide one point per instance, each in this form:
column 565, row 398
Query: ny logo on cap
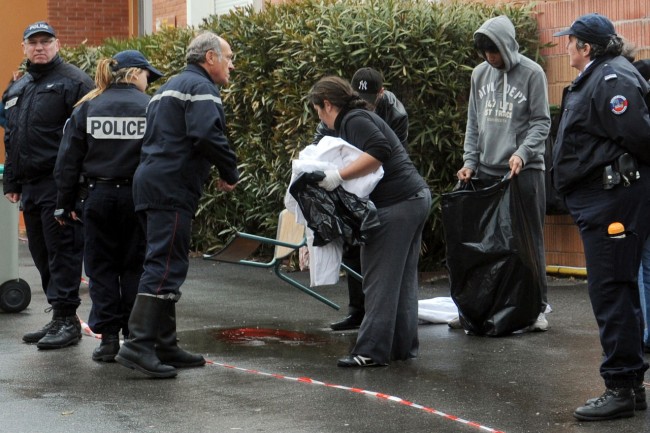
column 363, row 85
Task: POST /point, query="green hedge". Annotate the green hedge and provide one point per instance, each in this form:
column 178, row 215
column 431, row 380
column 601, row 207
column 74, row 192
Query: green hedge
column 424, row 50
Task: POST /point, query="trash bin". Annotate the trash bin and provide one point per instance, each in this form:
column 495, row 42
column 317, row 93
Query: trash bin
column 15, row 294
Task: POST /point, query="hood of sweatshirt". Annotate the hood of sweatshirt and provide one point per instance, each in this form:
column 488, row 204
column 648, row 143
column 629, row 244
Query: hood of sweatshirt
column 501, row 31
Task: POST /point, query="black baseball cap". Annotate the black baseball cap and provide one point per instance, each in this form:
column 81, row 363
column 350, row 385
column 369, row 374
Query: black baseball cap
column 594, row 28
column 368, row 83
column 135, row 59
column 38, row 27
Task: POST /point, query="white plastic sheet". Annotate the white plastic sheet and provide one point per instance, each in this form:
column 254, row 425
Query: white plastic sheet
column 437, row 310
column 329, row 153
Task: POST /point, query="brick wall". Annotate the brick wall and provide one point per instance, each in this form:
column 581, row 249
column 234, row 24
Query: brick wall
column 91, row 20
column 169, row 13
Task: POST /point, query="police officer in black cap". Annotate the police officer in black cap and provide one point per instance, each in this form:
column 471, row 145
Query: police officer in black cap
column 601, row 163
column 101, row 144
column 37, row 106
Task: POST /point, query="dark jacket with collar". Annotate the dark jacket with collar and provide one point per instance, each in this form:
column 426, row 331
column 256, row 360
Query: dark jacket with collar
column 36, row 107
column 603, row 115
column 185, row 137
column 102, row 139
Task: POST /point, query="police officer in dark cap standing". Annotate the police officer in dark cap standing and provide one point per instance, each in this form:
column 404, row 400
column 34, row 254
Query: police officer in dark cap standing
column 369, row 84
column 601, row 163
column 101, row 143
column 37, row 106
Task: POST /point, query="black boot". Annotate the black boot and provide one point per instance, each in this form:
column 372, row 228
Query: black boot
column 33, row 337
column 640, row 402
column 351, row 321
column 167, row 348
column 107, row 349
column 614, row 403
column 138, row 353
column 65, row 331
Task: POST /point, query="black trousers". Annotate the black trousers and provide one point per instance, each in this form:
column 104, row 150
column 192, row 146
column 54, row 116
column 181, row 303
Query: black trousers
column 114, row 255
column 57, row 250
column 612, row 270
column 352, row 259
column 167, row 254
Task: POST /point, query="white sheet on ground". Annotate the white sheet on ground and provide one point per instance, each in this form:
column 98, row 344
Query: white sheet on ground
column 437, row 310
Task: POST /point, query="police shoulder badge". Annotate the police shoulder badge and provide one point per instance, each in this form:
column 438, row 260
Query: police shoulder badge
column 618, row 104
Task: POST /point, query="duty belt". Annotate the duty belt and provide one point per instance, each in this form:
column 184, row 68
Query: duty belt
column 115, row 181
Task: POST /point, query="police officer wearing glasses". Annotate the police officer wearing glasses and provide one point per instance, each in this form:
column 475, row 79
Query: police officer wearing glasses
column 602, row 166
column 37, row 106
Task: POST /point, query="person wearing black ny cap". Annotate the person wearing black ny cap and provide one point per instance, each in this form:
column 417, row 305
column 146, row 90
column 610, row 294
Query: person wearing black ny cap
column 36, row 107
column 601, row 164
column 369, row 84
column 101, row 144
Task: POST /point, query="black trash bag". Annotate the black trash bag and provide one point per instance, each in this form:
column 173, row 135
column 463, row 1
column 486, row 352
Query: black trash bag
column 493, row 269
column 333, row 214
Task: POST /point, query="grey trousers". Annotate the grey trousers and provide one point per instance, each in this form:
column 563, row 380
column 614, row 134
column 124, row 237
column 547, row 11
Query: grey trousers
column 389, row 262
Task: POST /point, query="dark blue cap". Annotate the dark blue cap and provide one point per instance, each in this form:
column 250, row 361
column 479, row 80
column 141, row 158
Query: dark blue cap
column 135, row 59
column 594, row 28
column 38, row 27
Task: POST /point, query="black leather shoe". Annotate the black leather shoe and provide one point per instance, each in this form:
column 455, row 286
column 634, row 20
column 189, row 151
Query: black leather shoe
column 358, row 361
column 639, row 399
column 107, row 349
column 350, row 322
column 614, row 403
column 64, row 332
column 34, row 337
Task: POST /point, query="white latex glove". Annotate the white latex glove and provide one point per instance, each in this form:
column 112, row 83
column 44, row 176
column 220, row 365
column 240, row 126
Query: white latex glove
column 331, row 181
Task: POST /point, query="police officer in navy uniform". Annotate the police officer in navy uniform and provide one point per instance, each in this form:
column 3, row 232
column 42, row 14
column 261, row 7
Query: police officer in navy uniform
column 369, row 84
column 601, row 164
column 36, row 107
column 185, row 137
column 101, row 144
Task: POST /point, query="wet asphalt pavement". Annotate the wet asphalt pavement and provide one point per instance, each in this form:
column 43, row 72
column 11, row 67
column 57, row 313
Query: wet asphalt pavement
column 274, row 369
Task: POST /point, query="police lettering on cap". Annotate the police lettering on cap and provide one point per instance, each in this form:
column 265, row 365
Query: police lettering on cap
column 593, row 28
column 135, row 59
column 38, row 27
column 368, row 83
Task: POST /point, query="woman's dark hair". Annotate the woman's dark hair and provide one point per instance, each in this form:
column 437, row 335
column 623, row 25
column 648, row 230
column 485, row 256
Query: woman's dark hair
column 613, row 48
column 337, row 91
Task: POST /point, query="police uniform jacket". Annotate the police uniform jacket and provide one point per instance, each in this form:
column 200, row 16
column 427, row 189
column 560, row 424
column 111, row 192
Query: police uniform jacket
column 102, row 139
column 37, row 106
column 185, row 136
column 390, row 109
column 603, row 116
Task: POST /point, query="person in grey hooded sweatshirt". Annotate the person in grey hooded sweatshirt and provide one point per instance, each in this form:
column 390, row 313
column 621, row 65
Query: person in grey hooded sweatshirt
column 508, row 121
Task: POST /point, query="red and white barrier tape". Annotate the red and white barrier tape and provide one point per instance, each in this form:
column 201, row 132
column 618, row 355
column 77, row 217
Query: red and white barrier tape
column 85, row 328
column 375, row 394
